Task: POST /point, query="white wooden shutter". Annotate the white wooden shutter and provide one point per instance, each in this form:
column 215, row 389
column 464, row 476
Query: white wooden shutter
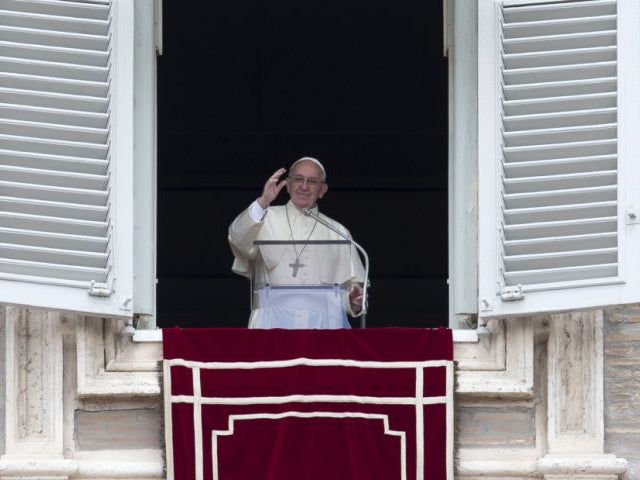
column 554, row 231
column 64, row 160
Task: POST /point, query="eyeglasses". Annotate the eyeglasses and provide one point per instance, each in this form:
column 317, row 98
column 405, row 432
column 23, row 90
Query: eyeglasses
column 299, row 180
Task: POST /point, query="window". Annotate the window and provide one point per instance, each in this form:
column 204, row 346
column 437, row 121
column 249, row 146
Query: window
column 360, row 86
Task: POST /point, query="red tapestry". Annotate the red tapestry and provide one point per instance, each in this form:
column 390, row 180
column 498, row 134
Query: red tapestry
column 373, row 404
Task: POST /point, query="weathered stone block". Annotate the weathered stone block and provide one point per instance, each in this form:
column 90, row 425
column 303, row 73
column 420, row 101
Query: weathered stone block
column 500, row 426
column 118, row 429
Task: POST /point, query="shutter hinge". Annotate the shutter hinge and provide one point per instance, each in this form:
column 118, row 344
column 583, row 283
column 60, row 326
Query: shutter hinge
column 512, row 293
column 100, row 289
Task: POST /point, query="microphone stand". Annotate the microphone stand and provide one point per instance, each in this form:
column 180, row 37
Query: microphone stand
column 363, row 318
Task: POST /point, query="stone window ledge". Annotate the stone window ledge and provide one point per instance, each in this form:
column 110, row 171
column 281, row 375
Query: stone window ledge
column 499, row 362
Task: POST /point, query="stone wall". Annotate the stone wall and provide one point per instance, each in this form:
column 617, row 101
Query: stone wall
column 622, row 385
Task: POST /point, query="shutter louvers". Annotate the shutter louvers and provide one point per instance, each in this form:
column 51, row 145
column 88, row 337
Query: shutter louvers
column 559, row 143
column 55, row 77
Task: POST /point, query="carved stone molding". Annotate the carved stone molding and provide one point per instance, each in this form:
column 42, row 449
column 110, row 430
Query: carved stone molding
column 500, row 462
column 34, row 382
column 115, row 464
column 110, row 364
column 575, row 396
column 40, row 398
column 124, row 355
column 526, row 463
column 575, row 425
column 502, row 366
column 489, row 353
column 558, row 360
column 594, row 466
column 34, row 405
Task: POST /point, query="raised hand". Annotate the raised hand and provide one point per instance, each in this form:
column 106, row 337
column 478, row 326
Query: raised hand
column 272, row 188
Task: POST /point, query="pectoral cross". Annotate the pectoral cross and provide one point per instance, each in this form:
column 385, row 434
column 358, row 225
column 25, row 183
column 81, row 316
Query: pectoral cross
column 296, row 266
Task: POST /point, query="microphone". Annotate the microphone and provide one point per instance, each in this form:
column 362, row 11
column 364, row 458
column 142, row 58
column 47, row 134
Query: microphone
column 310, row 213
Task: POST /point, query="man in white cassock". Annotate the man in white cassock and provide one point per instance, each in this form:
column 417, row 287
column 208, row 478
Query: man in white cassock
column 310, row 284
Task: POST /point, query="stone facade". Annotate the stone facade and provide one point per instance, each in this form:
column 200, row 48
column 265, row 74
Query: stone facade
column 622, row 385
column 80, row 399
column 530, row 401
column 545, row 397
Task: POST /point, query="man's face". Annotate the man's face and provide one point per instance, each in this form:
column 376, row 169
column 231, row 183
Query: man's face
column 305, row 185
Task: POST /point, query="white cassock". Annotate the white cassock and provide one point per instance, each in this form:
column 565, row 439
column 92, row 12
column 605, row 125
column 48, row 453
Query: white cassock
column 295, row 286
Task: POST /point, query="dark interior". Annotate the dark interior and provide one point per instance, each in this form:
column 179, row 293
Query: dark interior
column 248, row 86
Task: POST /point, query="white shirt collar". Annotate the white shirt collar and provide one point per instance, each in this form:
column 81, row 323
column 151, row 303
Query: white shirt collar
column 296, row 212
